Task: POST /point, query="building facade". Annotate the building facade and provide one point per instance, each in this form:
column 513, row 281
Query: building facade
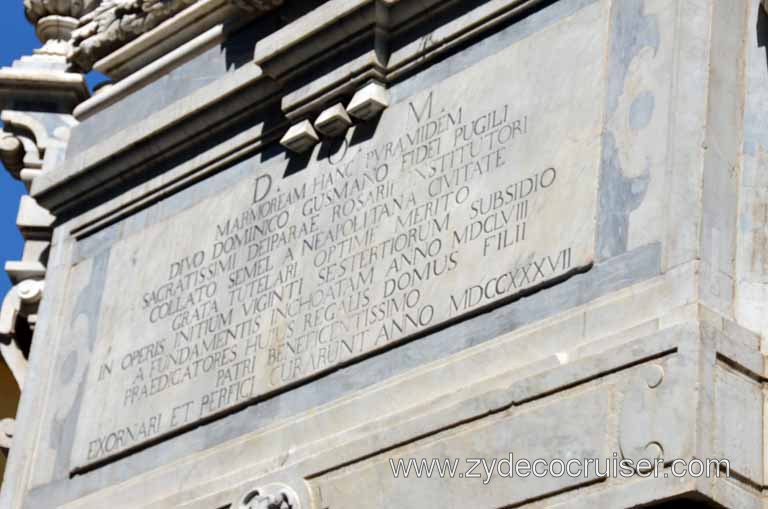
column 292, row 250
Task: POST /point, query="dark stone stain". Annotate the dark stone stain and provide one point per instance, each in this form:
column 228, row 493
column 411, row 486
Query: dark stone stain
column 641, row 111
column 632, row 31
column 63, row 428
column 761, row 29
column 619, row 196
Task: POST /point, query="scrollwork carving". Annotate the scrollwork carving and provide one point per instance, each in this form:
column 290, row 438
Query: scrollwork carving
column 117, row 22
column 273, row 496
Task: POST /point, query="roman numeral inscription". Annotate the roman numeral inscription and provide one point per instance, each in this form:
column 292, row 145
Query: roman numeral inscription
column 470, row 194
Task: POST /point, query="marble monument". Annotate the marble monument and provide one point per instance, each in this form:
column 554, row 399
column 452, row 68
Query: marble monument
column 290, row 247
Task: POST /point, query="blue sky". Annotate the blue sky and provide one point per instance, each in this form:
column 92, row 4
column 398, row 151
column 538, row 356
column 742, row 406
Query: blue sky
column 17, row 39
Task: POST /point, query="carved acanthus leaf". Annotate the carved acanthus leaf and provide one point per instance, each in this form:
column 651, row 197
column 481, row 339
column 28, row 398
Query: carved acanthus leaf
column 117, row 22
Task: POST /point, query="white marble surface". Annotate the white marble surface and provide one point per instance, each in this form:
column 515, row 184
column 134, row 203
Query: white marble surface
column 470, row 193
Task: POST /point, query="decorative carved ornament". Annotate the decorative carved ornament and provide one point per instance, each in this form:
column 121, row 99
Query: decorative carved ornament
column 38, row 9
column 273, row 496
column 54, row 21
column 21, row 301
column 117, row 22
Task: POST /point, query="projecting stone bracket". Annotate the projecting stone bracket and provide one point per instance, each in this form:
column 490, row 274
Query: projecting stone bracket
column 22, row 301
column 272, row 496
column 300, row 137
column 21, row 155
column 334, row 121
column 32, row 141
column 11, row 153
column 369, row 101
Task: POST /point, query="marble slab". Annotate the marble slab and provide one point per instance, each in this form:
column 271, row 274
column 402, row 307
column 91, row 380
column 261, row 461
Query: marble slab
column 475, row 192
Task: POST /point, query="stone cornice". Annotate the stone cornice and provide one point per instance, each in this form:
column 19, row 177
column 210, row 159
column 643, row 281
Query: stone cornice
column 116, row 23
column 34, row 84
column 284, row 57
column 165, row 40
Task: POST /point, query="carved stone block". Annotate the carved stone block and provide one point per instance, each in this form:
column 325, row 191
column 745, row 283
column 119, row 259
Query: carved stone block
column 537, row 233
column 334, row 121
column 300, row 137
column 369, row 101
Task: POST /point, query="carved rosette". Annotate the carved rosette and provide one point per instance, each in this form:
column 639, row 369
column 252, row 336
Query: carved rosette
column 55, row 20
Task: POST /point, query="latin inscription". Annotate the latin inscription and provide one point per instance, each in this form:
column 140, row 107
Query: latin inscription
column 456, row 205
